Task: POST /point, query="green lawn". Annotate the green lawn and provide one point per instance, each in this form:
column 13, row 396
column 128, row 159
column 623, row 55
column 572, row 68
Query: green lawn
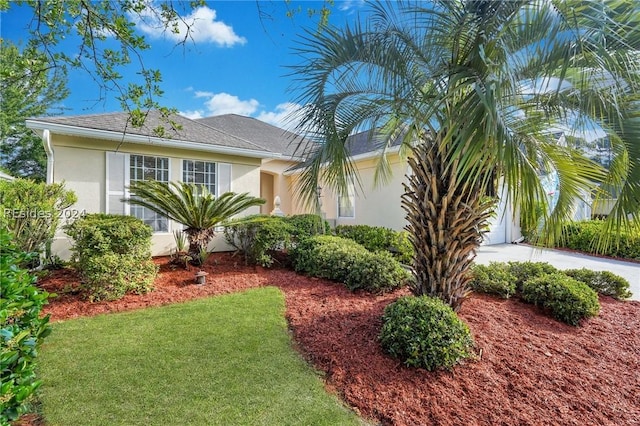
column 220, row 361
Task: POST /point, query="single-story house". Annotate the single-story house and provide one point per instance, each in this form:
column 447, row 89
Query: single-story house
column 97, row 156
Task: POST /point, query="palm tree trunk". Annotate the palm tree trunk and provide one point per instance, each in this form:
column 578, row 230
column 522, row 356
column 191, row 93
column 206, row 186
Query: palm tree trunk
column 198, row 240
column 446, row 218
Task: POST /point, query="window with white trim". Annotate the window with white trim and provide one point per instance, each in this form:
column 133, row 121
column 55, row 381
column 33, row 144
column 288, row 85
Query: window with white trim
column 122, row 169
column 142, row 168
column 347, row 202
column 201, row 173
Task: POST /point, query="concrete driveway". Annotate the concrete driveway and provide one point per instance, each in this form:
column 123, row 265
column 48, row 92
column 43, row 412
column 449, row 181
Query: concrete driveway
column 561, row 260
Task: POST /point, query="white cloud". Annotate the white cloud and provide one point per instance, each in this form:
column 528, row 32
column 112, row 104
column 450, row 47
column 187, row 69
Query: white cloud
column 193, row 115
column 201, row 24
column 347, row 5
column 224, row 103
column 284, row 116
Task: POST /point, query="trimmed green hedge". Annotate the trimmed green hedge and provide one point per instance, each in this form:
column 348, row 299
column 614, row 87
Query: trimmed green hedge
column 604, row 282
column 113, row 255
column 376, row 238
column 495, row 278
column 584, row 234
column 344, row 260
column 425, row 332
column 569, row 300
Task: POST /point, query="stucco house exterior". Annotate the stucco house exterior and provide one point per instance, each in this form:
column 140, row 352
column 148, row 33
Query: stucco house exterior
column 98, row 156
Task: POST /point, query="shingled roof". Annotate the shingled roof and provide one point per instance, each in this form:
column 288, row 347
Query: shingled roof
column 187, row 130
column 252, row 129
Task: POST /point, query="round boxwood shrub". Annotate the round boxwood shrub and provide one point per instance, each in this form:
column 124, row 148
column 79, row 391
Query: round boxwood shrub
column 604, row 282
column 524, row 271
column 425, row 332
column 569, row 300
column 377, row 238
column 494, row 278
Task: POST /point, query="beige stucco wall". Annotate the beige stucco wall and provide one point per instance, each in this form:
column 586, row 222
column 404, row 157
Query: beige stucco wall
column 81, row 164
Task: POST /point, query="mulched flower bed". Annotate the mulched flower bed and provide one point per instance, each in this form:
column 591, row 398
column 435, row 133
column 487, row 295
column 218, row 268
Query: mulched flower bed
column 530, row 369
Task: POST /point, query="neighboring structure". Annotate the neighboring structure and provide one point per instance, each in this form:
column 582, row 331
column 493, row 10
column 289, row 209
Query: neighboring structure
column 97, row 156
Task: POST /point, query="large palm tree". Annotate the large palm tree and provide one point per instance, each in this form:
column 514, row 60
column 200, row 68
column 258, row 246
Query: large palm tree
column 192, row 206
column 475, row 91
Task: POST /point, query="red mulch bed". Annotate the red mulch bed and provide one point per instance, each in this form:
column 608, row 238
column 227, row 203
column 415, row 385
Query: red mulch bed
column 531, row 369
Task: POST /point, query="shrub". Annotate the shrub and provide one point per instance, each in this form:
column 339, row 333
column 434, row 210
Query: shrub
column 258, row 237
column 113, row 255
column 568, row 300
column 31, row 212
column 583, row 236
column 307, row 225
column 22, row 330
column 524, row 271
column 425, row 332
column 495, row 278
column 604, row 282
column 376, row 238
column 346, row 261
column 110, row 276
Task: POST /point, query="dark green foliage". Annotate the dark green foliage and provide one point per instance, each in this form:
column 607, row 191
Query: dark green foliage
column 307, row 225
column 496, row 278
column 584, row 235
column 524, row 271
column 258, row 237
column 425, row 332
column 377, row 238
column 31, row 212
column 568, row 300
column 22, row 330
column 604, row 282
column 346, row 261
column 113, row 255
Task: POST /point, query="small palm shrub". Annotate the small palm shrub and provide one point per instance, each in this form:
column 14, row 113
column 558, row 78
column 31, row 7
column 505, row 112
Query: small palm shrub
column 425, row 332
column 377, row 238
column 22, row 330
column 569, row 300
column 604, row 282
column 112, row 253
column 495, row 278
column 346, row 261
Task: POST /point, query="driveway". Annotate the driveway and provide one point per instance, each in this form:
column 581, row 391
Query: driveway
column 561, row 260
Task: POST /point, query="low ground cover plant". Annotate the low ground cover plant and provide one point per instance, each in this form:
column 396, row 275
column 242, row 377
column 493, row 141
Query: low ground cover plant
column 604, row 282
column 425, row 332
column 22, row 330
column 377, row 238
column 182, row 364
column 344, row 260
column 112, row 253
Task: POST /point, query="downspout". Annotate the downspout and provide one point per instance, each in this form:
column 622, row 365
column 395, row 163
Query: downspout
column 48, row 149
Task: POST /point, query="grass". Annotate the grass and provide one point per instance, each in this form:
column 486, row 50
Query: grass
column 224, row 360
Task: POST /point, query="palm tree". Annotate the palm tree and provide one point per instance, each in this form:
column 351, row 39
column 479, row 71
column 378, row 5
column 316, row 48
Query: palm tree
column 192, row 206
column 474, row 91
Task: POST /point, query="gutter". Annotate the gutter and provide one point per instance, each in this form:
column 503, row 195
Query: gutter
column 364, row 156
column 45, row 128
column 48, row 149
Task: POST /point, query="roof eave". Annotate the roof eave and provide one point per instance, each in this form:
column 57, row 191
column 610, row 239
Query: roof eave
column 364, row 156
column 64, row 129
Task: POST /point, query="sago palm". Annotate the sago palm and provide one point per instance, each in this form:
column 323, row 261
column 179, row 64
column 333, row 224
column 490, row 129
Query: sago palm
column 475, row 91
column 192, row 206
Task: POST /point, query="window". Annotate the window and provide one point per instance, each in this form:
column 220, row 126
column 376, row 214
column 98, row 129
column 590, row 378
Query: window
column 201, row 173
column 347, row 202
column 144, row 167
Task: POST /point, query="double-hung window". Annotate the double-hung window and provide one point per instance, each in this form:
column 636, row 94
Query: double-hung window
column 122, row 169
column 347, row 202
column 216, row 177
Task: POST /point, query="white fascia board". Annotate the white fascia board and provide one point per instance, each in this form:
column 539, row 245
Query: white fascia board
column 364, row 156
column 63, row 129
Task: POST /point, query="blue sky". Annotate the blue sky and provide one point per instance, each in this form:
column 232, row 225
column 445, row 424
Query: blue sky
column 237, row 64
